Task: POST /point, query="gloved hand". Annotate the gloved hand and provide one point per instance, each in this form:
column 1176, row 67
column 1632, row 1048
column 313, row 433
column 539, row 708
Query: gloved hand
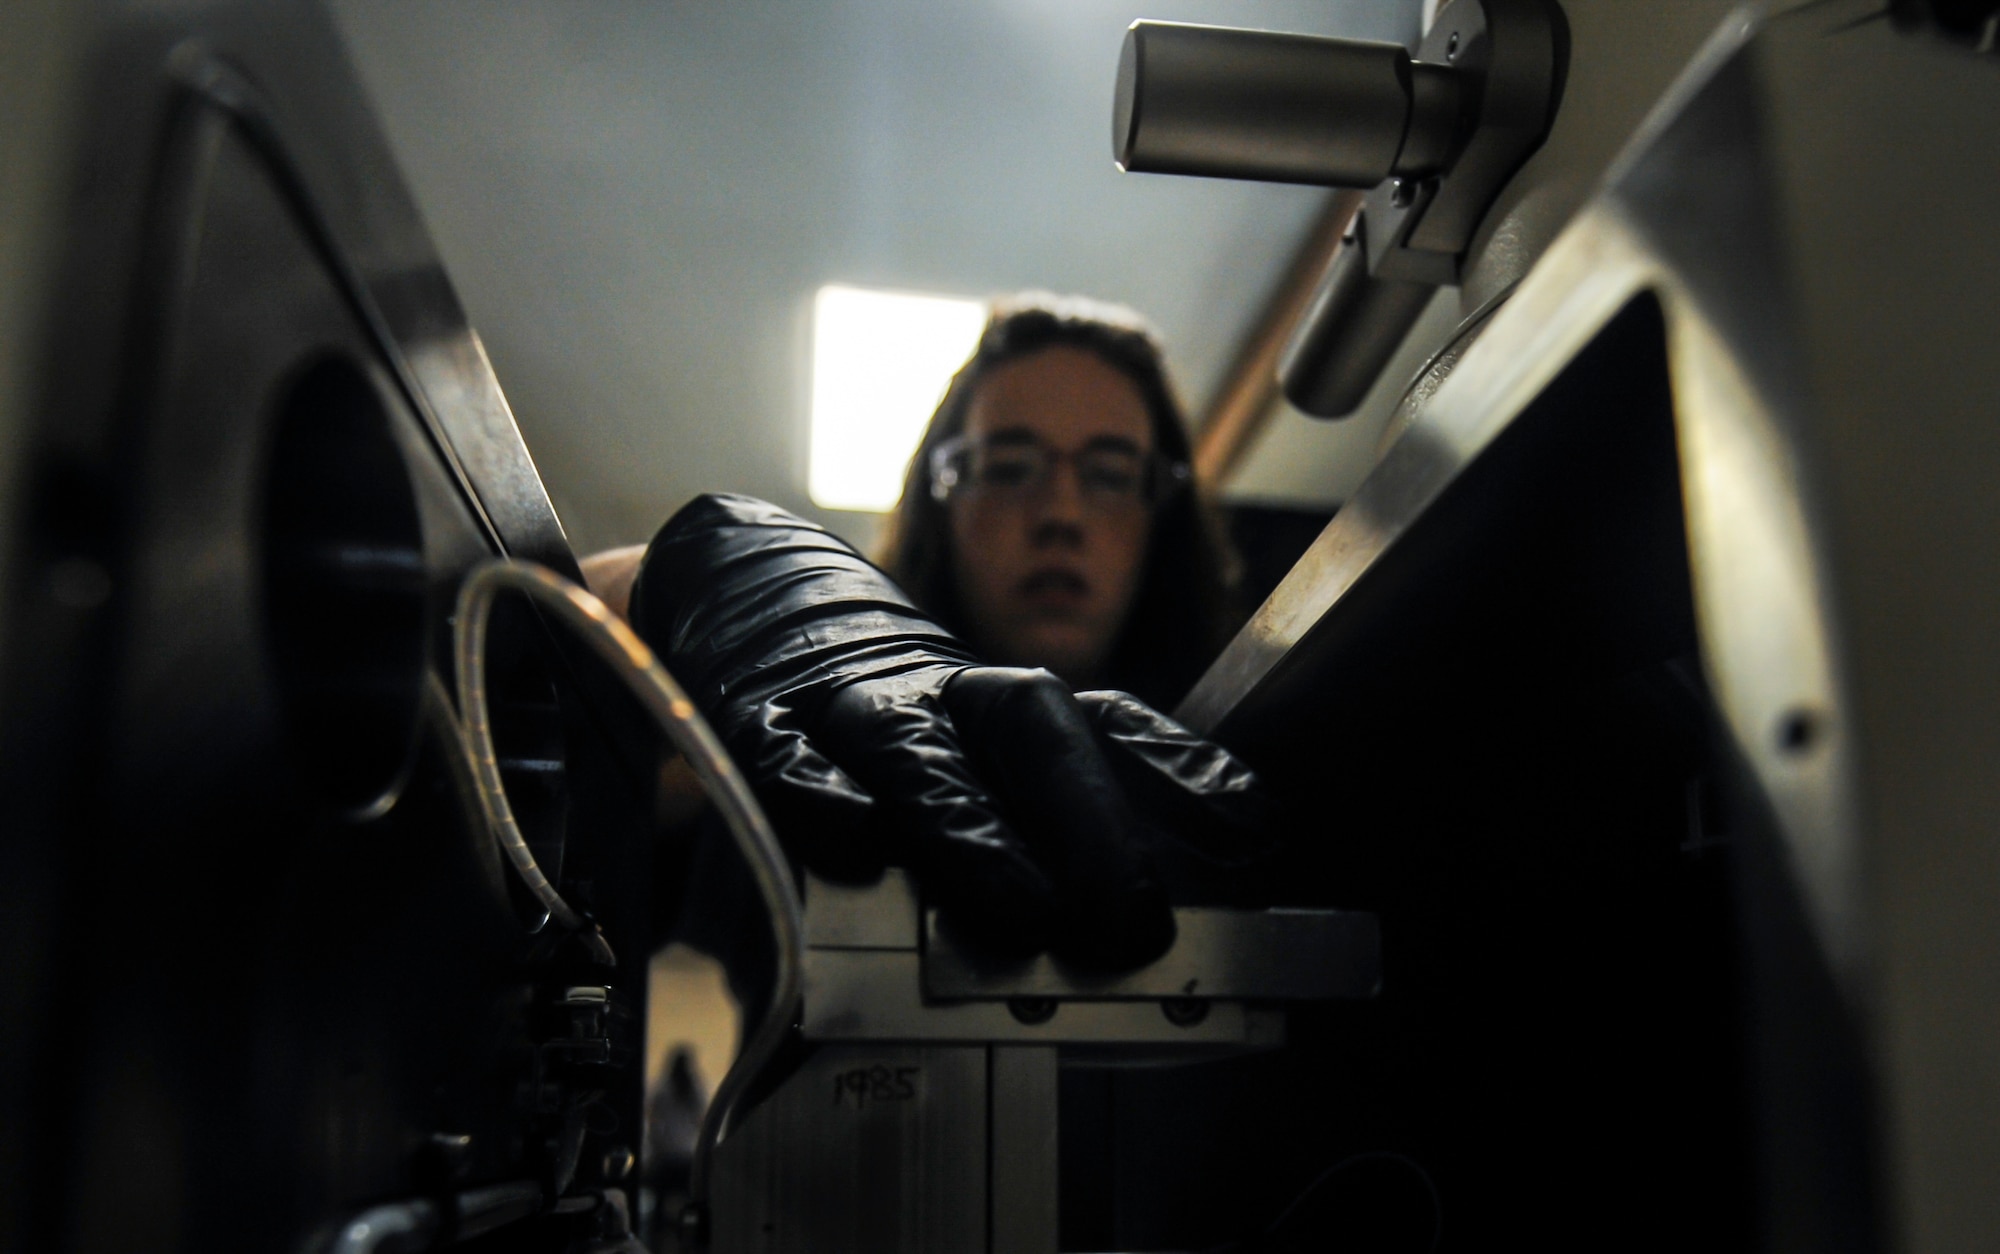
column 874, row 737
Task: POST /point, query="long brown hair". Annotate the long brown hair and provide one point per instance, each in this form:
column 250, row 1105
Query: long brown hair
column 1184, row 610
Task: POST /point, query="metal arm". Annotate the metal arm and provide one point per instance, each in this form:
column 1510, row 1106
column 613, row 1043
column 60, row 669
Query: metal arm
column 1432, row 137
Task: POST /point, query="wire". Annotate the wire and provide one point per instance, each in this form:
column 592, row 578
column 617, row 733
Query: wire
column 475, row 613
column 629, row 657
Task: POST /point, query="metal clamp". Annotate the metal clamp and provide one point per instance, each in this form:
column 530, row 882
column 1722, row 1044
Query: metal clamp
column 1434, row 136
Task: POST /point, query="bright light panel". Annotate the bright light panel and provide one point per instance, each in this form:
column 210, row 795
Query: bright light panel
column 881, row 363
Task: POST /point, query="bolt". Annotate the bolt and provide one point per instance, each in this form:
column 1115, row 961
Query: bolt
column 1184, row 1012
column 444, row 1158
column 1031, row 1010
column 1798, row 730
column 618, row 1163
column 694, row 1227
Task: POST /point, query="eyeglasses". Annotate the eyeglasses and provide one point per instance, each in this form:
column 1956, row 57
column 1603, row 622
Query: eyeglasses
column 1015, row 467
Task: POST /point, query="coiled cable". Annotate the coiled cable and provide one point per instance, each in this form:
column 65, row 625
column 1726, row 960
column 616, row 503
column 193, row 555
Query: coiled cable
column 629, row 657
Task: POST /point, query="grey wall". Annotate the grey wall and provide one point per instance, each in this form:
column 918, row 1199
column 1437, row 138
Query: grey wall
column 637, row 199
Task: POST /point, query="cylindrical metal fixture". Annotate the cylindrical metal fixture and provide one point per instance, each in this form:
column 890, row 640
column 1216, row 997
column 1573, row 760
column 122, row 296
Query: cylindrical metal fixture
column 1278, row 108
column 1354, row 326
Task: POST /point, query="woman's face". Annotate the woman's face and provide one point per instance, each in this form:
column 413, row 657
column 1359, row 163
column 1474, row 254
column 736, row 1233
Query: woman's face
column 1047, row 546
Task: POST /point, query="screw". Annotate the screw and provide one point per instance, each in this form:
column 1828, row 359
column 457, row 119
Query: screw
column 618, row 1163
column 694, row 1227
column 444, row 1159
column 1403, row 193
column 1184, row 1012
column 1798, row 730
column 1031, row 1010
column 1451, row 47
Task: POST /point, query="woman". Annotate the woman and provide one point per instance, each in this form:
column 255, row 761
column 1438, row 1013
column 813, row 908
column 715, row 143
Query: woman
column 1049, row 516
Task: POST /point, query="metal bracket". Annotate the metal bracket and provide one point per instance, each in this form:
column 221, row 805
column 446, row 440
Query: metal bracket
column 1435, row 137
column 925, row 1116
column 1508, row 55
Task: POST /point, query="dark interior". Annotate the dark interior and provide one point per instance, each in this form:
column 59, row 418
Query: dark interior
column 1500, row 740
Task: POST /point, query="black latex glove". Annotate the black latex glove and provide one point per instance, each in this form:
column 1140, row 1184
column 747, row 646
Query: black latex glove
column 874, row 737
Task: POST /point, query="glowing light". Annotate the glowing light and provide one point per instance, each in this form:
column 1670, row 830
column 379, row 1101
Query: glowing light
column 881, row 363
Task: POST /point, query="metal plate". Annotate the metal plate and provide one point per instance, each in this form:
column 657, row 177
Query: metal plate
column 864, row 1150
column 1248, row 955
column 882, row 915
column 873, row 995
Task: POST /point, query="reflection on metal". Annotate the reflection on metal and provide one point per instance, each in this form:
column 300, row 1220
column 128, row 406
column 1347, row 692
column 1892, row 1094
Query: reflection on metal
column 416, row 325
column 854, row 994
column 418, row 1223
column 1248, row 396
column 1435, row 138
column 1545, row 324
column 275, row 447
column 675, row 714
column 925, row 1119
column 1252, row 955
column 1249, row 104
column 882, row 915
column 870, row 977
column 381, row 1229
column 1023, row 1136
column 1833, row 408
column 866, row 1149
column 1350, row 330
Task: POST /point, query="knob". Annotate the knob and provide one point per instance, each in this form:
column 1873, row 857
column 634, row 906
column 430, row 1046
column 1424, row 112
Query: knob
column 1280, row 108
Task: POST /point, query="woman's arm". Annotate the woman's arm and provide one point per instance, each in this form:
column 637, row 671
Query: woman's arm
column 609, row 574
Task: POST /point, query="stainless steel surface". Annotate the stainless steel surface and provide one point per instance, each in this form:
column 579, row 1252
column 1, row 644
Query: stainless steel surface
column 1349, row 332
column 1622, row 59
column 1245, row 955
column 681, row 723
column 896, row 1149
column 865, row 1149
column 827, row 1158
column 224, row 229
column 905, row 1021
column 876, row 995
column 416, row 1224
column 1258, row 105
column 1497, row 376
column 1451, row 127
column 1512, row 54
column 882, row 915
column 1024, row 1174
column 415, row 322
column 1246, row 400
column 872, row 975
column 1832, row 388
column 1621, row 62
column 853, row 1151
column 388, row 1228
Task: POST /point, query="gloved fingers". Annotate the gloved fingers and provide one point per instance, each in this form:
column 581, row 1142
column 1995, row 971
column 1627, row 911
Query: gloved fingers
column 890, row 736
column 824, row 818
column 1032, row 742
column 1193, row 788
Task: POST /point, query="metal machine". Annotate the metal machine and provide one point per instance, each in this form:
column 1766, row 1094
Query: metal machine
column 1644, row 696
column 1654, row 651
column 926, row 1115
column 269, row 983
